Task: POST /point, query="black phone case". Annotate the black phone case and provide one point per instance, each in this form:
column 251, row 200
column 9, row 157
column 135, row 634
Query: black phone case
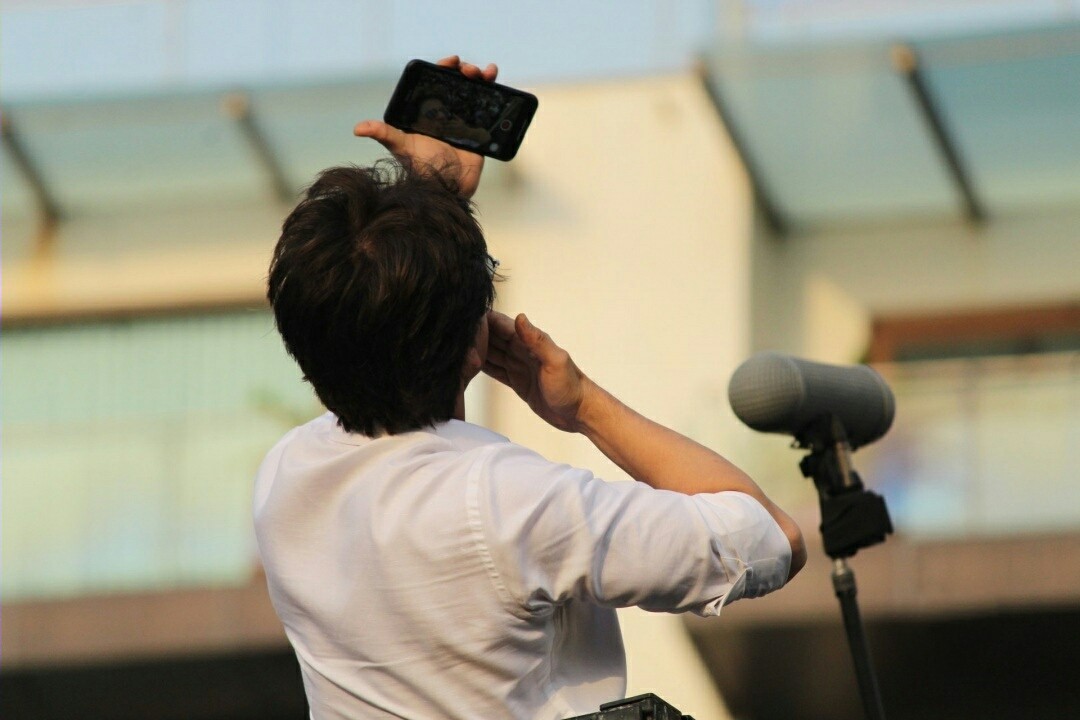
column 503, row 147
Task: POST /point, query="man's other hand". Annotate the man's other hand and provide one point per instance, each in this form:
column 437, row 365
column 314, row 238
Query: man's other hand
column 459, row 166
column 525, row 358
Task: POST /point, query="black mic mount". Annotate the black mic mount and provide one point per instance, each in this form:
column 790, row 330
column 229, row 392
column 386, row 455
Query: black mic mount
column 852, row 517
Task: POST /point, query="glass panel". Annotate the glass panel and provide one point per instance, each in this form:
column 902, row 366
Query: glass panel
column 310, row 127
column 185, row 150
column 835, row 133
column 98, row 154
column 1014, row 103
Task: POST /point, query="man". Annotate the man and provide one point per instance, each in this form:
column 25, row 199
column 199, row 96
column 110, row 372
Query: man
column 425, row 567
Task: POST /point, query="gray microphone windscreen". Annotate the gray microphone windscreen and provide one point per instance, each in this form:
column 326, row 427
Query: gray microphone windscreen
column 778, row 393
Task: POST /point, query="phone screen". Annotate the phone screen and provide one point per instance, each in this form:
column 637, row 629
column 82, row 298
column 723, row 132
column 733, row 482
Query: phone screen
column 486, row 118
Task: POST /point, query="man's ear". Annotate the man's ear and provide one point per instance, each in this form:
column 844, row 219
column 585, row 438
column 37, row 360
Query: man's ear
column 474, row 363
column 477, row 352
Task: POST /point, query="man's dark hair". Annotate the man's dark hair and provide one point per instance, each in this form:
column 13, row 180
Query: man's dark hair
column 378, row 284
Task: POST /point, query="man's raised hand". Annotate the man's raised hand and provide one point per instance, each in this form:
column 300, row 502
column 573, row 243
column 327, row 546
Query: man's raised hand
column 460, row 166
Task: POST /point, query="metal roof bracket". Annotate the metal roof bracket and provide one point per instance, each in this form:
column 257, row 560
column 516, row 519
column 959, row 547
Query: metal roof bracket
column 772, row 214
column 49, row 214
column 237, row 105
column 906, row 62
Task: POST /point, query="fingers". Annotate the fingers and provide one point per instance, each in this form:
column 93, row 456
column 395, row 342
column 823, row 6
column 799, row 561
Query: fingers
column 498, row 373
column 500, row 326
column 507, row 357
column 519, row 337
column 488, row 74
column 505, row 348
column 536, row 341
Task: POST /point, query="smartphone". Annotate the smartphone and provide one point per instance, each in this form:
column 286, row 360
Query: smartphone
column 482, row 117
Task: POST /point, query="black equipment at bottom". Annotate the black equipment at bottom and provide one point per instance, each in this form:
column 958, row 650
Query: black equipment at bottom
column 639, row 707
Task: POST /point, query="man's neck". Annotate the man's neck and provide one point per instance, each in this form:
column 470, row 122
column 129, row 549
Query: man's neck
column 459, row 405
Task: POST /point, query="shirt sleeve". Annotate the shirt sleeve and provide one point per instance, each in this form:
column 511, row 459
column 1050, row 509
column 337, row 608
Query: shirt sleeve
column 553, row 533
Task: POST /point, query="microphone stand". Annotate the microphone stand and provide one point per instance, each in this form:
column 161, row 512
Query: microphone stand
column 851, row 518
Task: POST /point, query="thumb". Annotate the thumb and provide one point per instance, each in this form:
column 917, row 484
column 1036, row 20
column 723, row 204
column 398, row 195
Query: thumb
column 538, row 342
column 387, row 135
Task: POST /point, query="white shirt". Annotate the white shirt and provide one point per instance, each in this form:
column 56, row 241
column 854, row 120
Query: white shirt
column 449, row 573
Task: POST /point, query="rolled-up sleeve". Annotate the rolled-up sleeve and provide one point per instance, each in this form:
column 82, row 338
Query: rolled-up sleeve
column 552, row 533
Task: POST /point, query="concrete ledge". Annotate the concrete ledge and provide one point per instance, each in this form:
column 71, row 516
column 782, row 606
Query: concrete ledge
column 139, row 625
column 897, row 579
column 905, row 577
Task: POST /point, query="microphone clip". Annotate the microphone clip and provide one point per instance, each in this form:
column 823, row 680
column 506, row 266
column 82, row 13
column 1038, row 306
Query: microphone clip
column 852, row 517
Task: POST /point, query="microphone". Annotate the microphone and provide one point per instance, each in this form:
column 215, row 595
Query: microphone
column 778, row 393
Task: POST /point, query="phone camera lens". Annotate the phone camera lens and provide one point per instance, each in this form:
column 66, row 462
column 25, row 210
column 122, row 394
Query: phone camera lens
column 505, row 125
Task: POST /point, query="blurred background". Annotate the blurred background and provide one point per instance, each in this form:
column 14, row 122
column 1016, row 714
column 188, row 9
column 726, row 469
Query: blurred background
column 846, row 180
